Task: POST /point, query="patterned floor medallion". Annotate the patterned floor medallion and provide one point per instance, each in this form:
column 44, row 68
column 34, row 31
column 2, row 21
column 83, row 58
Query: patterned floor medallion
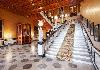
column 13, row 56
column 1, row 67
column 72, row 65
column 21, row 53
column 49, row 59
column 25, row 60
column 36, row 60
column 57, row 65
column 27, row 66
column 13, row 60
column 42, row 66
column 23, row 56
column 2, row 61
column 28, row 51
column 32, row 55
column 12, row 67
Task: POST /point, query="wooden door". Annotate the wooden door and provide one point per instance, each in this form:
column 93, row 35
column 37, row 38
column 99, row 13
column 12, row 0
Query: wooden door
column 23, row 33
column 26, row 34
column 19, row 33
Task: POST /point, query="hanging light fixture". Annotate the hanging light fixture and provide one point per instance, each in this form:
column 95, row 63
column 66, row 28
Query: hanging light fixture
column 32, row 4
column 41, row 8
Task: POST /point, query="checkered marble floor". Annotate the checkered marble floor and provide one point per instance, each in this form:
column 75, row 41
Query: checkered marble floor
column 24, row 57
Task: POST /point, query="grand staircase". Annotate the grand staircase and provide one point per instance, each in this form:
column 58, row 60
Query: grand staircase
column 80, row 52
column 80, row 48
column 54, row 48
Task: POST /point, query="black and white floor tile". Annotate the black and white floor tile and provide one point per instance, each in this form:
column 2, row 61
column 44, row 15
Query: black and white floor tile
column 24, row 57
column 17, row 57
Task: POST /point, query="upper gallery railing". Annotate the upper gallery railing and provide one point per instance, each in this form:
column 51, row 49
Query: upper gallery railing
column 46, row 18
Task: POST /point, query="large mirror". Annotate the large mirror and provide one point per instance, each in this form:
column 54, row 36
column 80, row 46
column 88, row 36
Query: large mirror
column 97, row 32
column 92, row 29
column 85, row 22
column 1, row 29
column 89, row 25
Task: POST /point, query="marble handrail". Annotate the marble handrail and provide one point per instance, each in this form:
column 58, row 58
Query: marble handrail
column 95, row 49
column 46, row 18
column 52, row 36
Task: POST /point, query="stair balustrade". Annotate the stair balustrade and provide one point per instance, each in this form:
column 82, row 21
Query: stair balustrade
column 52, row 36
column 46, row 18
column 94, row 52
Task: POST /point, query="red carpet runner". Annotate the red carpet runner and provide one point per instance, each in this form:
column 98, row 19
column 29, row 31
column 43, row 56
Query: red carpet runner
column 65, row 52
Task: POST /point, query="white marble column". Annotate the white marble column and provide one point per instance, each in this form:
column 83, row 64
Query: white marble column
column 40, row 39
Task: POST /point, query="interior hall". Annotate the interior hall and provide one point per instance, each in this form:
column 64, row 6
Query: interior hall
column 49, row 34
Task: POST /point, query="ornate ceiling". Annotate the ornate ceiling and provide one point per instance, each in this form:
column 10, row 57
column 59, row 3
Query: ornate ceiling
column 31, row 8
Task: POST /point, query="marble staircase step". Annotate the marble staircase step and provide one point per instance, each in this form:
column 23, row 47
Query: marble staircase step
column 80, row 61
column 80, row 53
column 56, row 43
column 80, row 44
column 79, row 38
column 57, row 47
column 79, row 57
column 76, row 36
column 54, row 49
column 82, row 37
column 50, row 56
column 80, row 49
column 58, row 39
column 76, row 40
column 52, row 52
column 87, row 55
column 59, row 42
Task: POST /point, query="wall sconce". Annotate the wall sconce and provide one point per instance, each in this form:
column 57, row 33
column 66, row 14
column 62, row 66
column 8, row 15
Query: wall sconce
column 7, row 35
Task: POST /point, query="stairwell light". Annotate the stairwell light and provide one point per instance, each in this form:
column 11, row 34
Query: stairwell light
column 40, row 23
column 41, row 8
column 56, row 17
column 62, row 15
column 66, row 15
column 33, row 4
column 52, row 17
